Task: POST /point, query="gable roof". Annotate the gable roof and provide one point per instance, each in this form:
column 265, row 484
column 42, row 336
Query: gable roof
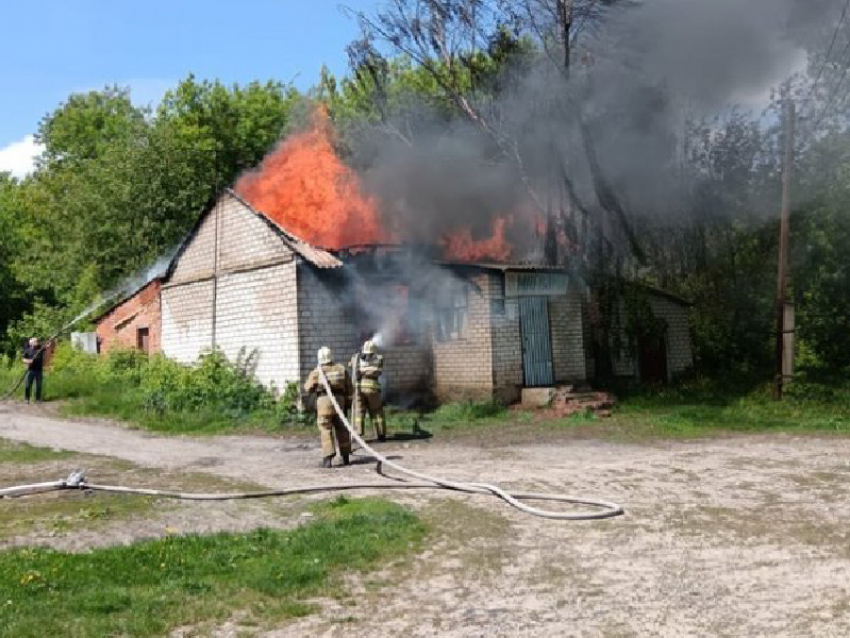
column 315, row 256
column 319, row 257
column 127, row 294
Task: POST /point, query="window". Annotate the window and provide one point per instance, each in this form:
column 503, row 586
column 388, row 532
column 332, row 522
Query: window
column 452, row 314
column 497, row 302
column 390, row 310
column 143, row 340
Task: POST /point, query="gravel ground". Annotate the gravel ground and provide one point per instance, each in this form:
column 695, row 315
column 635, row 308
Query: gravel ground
column 739, row 536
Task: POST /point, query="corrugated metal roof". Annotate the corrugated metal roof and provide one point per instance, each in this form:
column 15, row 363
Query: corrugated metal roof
column 316, row 256
column 502, row 267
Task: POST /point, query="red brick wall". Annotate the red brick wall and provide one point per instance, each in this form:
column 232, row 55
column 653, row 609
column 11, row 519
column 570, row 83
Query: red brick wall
column 120, row 327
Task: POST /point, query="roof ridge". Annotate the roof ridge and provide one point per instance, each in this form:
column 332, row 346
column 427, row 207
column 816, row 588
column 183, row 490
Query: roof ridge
column 316, row 255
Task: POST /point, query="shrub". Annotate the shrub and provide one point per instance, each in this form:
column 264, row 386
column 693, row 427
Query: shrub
column 215, row 384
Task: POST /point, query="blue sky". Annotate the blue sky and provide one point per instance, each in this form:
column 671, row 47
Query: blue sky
column 51, row 48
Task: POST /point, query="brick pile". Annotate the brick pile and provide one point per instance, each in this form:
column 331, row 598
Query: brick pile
column 569, row 400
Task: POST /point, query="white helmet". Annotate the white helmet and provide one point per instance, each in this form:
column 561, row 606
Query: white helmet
column 369, row 347
column 325, row 355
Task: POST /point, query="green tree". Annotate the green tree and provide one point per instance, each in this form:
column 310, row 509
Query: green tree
column 117, row 186
column 12, row 299
column 89, row 123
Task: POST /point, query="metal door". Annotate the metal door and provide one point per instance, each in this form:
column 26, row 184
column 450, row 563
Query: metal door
column 536, row 341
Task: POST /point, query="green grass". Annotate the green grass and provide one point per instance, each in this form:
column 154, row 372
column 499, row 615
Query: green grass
column 71, row 511
column 11, row 452
column 125, row 405
column 705, row 407
column 815, row 403
column 85, row 395
column 149, row 588
column 691, row 409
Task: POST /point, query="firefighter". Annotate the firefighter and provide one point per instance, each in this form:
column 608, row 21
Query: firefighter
column 329, row 421
column 368, row 366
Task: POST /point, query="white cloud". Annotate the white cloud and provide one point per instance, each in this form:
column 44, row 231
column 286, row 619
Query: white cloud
column 19, row 157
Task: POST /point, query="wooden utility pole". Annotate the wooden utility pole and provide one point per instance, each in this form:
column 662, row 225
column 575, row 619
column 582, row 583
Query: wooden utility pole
column 783, row 274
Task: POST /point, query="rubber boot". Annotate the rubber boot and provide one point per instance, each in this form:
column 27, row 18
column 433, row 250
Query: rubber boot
column 326, row 462
column 345, row 460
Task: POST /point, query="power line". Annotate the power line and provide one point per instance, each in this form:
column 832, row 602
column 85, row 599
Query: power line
column 831, row 47
column 835, row 93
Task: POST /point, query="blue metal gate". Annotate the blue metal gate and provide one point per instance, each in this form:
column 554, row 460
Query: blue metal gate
column 536, row 341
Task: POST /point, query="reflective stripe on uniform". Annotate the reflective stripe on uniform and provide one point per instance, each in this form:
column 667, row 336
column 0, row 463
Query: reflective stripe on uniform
column 368, row 385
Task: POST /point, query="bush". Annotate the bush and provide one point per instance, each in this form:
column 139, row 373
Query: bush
column 160, row 393
column 215, row 384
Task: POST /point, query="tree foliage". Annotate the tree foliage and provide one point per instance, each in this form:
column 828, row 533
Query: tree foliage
column 117, row 186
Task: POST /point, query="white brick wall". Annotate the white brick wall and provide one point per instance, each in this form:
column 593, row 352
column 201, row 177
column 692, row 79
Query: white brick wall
column 256, row 301
column 488, row 363
column 187, row 320
column 257, row 309
column 507, row 348
column 407, row 369
column 198, row 258
column 245, row 240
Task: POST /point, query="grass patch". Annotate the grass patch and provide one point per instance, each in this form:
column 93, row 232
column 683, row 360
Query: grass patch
column 124, row 405
column 11, row 452
column 59, row 513
column 213, row 397
column 688, row 410
column 704, row 407
column 149, row 588
column 62, row 512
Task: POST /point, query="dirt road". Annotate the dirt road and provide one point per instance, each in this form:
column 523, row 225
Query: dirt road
column 744, row 536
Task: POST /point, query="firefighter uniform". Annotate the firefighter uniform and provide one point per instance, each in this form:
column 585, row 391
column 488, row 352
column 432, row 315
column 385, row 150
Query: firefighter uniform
column 329, row 421
column 369, row 366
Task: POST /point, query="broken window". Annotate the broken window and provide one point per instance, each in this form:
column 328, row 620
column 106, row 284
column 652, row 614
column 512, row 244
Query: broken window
column 452, row 314
column 497, row 302
column 389, row 310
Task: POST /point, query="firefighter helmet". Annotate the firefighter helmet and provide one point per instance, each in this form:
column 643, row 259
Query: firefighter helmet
column 325, row 355
column 369, row 347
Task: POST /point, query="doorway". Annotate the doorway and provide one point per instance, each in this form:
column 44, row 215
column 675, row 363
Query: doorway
column 536, row 342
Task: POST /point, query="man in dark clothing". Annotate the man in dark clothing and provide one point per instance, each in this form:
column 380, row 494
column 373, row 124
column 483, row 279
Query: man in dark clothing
column 33, row 356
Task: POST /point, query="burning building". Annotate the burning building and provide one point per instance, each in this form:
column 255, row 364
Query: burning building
column 297, row 257
column 241, row 282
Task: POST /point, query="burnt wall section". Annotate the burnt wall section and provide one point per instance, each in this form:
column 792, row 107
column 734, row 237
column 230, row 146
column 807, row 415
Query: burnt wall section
column 507, row 345
column 463, row 366
column 680, row 356
column 327, row 316
column 677, row 340
column 566, row 320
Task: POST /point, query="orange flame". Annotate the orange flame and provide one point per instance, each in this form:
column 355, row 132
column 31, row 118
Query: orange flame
column 461, row 246
column 305, row 187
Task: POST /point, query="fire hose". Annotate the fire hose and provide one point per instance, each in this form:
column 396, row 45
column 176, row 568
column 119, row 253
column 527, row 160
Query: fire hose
column 608, row 509
column 77, row 481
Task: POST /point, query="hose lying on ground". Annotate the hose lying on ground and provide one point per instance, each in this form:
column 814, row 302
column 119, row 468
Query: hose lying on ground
column 607, row 509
